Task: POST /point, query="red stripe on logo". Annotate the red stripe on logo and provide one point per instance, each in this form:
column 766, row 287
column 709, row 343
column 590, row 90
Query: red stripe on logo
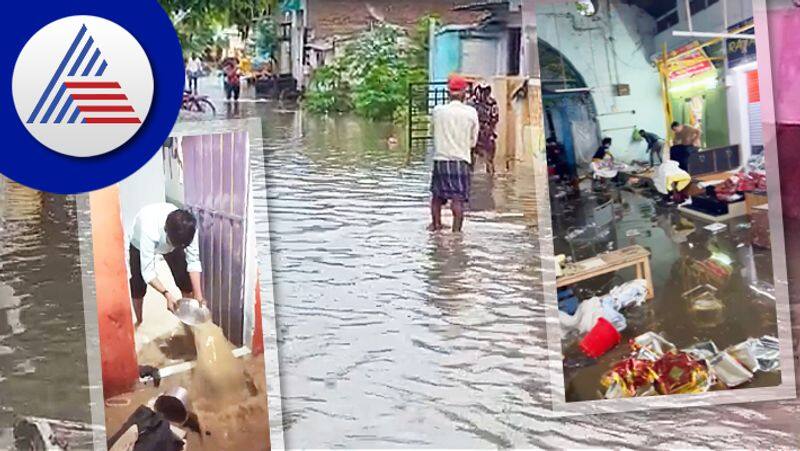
column 91, row 84
column 99, row 97
column 112, row 120
column 105, row 108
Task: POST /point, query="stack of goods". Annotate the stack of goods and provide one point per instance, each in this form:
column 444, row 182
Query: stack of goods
column 599, row 318
column 712, row 271
column 744, row 182
column 705, row 306
column 656, row 367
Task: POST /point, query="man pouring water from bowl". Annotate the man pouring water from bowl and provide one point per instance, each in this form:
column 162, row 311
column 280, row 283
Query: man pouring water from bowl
column 164, row 229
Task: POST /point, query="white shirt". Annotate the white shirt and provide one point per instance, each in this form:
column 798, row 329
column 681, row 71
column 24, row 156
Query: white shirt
column 455, row 131
column 148, row 235
column 194, row 66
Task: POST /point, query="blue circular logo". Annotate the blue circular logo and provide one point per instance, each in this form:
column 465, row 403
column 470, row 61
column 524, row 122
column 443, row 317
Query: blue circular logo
column 96, row 89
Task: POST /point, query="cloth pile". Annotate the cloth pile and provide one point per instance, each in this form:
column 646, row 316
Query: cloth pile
column 567, row 301
column 586, row 314
column 599, row 318
column 656, row 367
column 607, row 169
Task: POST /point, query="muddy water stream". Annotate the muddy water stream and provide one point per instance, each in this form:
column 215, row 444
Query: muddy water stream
column 219, row 376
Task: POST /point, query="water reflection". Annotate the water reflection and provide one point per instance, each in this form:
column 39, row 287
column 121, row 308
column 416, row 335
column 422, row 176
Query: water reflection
column 42, row 347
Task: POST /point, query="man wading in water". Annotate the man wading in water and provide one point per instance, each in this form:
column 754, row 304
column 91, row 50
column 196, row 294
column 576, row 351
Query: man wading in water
column 455, row 134
column 163, row 229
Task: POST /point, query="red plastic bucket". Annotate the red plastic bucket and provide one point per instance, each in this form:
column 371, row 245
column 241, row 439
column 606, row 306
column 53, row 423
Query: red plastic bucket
column 601, row 339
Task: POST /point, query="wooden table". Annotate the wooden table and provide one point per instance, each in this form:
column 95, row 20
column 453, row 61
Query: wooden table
column 635, row 256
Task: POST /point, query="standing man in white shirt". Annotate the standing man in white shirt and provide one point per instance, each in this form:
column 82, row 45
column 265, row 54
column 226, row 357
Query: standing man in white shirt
column 455, row 134
column 193, row 70
column 164, row 229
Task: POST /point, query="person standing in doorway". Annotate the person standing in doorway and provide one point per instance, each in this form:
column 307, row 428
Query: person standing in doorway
column 455, row 134
column 164, row 229
column 193, row 70
column 232, row 83
column 654, row 146
column 556, row 159
column 686, row 142
column 488, row 116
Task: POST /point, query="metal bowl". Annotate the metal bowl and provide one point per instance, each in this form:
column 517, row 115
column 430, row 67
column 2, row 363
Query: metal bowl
column 174, row 405
column 191, row 312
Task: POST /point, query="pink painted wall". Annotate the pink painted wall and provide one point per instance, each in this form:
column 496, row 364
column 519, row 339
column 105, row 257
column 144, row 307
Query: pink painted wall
column 784, row 23
column 776, row 31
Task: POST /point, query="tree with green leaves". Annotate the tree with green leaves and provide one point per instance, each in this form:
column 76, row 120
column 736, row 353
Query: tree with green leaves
column 371, row 78
column 199, row 23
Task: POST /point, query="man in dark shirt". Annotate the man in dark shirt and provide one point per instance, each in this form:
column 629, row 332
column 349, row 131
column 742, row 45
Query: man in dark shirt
column 654, row 146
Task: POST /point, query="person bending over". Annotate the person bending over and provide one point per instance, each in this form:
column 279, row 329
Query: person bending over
column 654, row 146
column 164, row 229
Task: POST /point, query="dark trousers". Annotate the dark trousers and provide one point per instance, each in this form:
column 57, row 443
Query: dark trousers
column 231, row 91
column 176, row 260
column 680, row 154
column 193, row 83
column 655, row 151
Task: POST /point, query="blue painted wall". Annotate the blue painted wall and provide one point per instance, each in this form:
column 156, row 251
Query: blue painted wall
column 445, row 55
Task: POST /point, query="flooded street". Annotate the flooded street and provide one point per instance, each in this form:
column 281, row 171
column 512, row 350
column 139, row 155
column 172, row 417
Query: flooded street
column 42, row 346
column 382, row 323
column 392, row 336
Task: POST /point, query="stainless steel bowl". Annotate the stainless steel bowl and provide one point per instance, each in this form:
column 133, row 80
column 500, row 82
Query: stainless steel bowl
column 191, row 312
column 174, row 405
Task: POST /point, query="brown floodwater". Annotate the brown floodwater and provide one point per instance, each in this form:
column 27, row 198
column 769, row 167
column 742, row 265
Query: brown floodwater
column 392, row 337
column 225, row 425
column 42, row 338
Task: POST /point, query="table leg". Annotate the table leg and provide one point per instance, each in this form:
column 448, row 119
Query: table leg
column 649, row 277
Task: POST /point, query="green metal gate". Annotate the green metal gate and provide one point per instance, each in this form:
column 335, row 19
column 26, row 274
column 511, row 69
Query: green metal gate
column 422, row 98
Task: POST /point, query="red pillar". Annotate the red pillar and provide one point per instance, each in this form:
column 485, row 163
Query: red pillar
column 258, row 331
column 115, row 319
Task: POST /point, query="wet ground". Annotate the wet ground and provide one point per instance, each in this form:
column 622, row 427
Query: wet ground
column 678, row 245
column 239, row 426
column 391, row 336
column 42, row 340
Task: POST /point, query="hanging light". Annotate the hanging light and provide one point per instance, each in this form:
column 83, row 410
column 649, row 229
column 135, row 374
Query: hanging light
column 587, row 8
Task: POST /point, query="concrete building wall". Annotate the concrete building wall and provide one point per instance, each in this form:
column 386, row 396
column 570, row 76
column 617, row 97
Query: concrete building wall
column 133, row 197
column 613, row 47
